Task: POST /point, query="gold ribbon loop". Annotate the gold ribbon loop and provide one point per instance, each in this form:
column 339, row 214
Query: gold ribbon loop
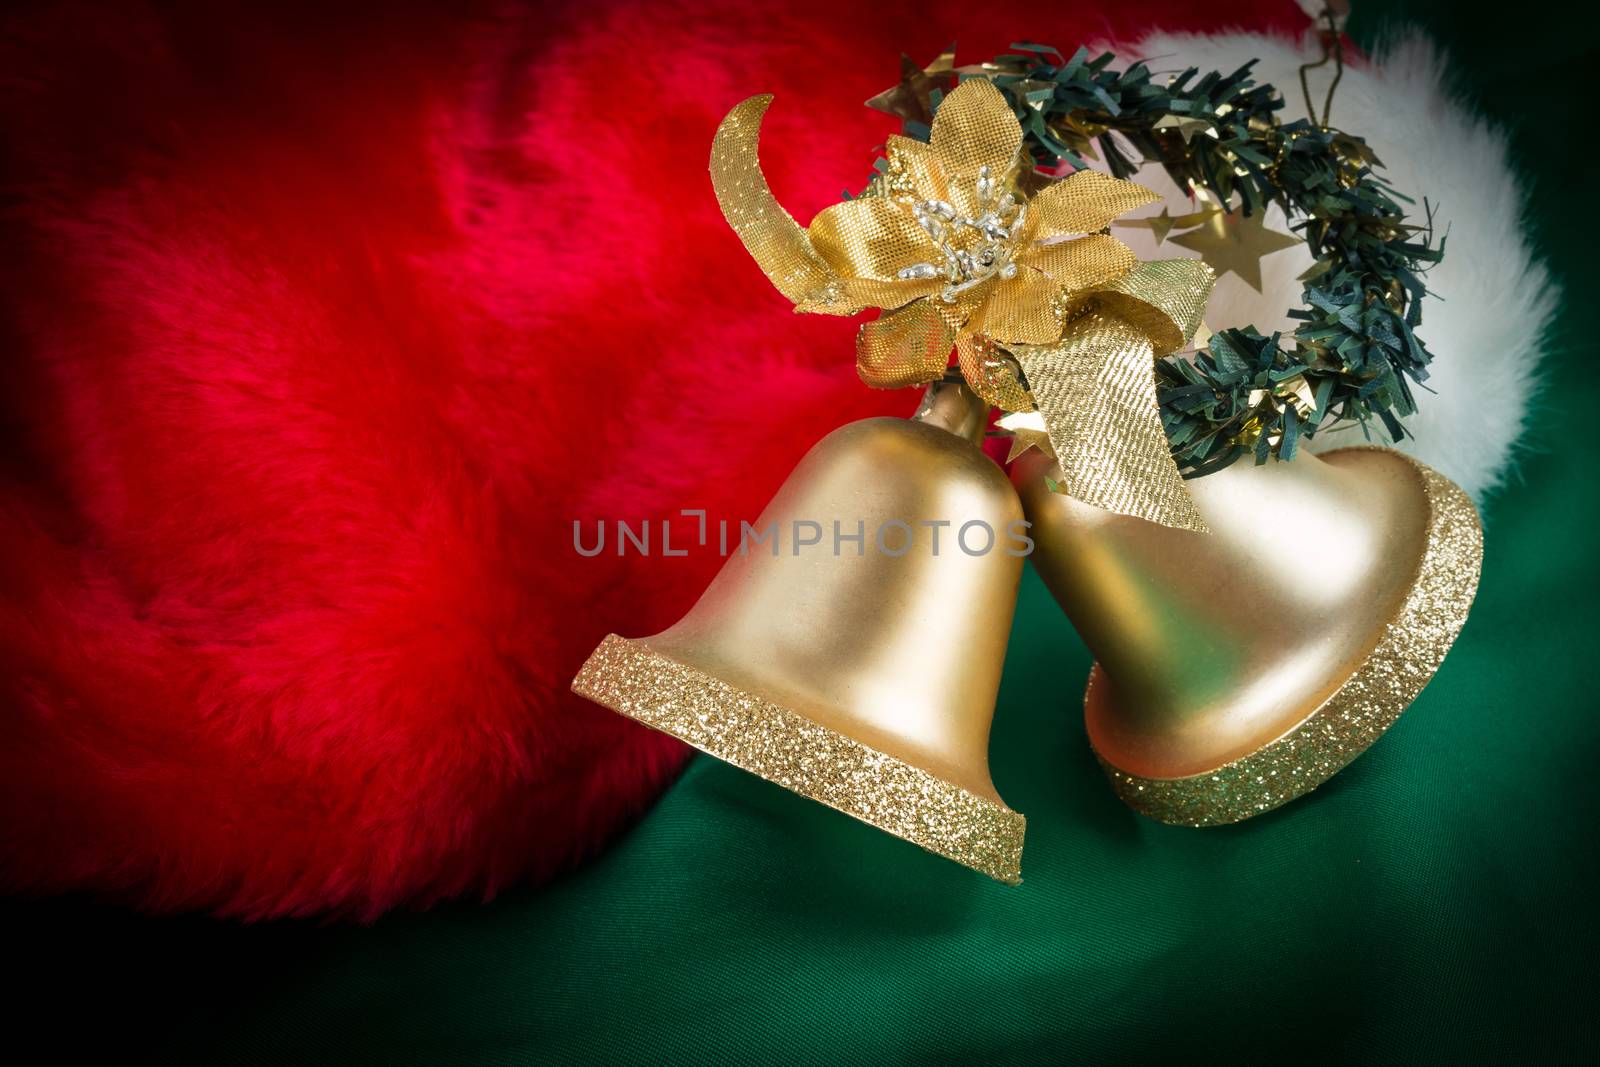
column 771, row 235
column 1164, row 297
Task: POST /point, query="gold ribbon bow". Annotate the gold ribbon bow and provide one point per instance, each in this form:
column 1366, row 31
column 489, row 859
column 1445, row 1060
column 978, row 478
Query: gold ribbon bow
column 954, row 253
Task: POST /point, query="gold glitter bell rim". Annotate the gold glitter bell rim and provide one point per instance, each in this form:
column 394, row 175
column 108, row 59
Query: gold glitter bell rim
column 1240, row 669
column 859, row 673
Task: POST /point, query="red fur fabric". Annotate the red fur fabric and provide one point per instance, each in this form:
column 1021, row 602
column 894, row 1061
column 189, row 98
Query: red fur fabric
column 321, row 326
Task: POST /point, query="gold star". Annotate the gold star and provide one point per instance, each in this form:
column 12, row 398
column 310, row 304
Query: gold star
column 1202, row 337
column 911, row 99
column 1233, row 243
column 1078, row 134
column 1166, row 222
column 1027, row 431
column 1185, row 127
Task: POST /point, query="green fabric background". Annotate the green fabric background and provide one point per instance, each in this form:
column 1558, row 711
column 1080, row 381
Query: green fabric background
column 1434, row 899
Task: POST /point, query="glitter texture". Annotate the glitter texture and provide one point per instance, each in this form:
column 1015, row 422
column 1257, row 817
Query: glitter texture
column 790, row 750
column 1409, row 652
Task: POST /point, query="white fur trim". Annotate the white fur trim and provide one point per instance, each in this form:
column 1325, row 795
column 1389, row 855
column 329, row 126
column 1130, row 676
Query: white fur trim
column 1490, row 301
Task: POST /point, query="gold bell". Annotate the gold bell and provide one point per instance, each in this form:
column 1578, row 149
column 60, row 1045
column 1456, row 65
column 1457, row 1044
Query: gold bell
column 854, row 655
column 1240, row 669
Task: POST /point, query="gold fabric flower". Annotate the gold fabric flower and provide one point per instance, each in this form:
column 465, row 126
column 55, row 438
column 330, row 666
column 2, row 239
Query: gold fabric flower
column 1027, row 289
column 954, row 252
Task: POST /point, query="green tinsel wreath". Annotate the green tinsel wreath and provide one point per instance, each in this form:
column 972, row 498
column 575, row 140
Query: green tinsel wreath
column 1355, row 346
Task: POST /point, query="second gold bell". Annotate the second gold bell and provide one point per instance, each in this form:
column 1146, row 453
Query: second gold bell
column 858, row 673
column 1233, row 676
